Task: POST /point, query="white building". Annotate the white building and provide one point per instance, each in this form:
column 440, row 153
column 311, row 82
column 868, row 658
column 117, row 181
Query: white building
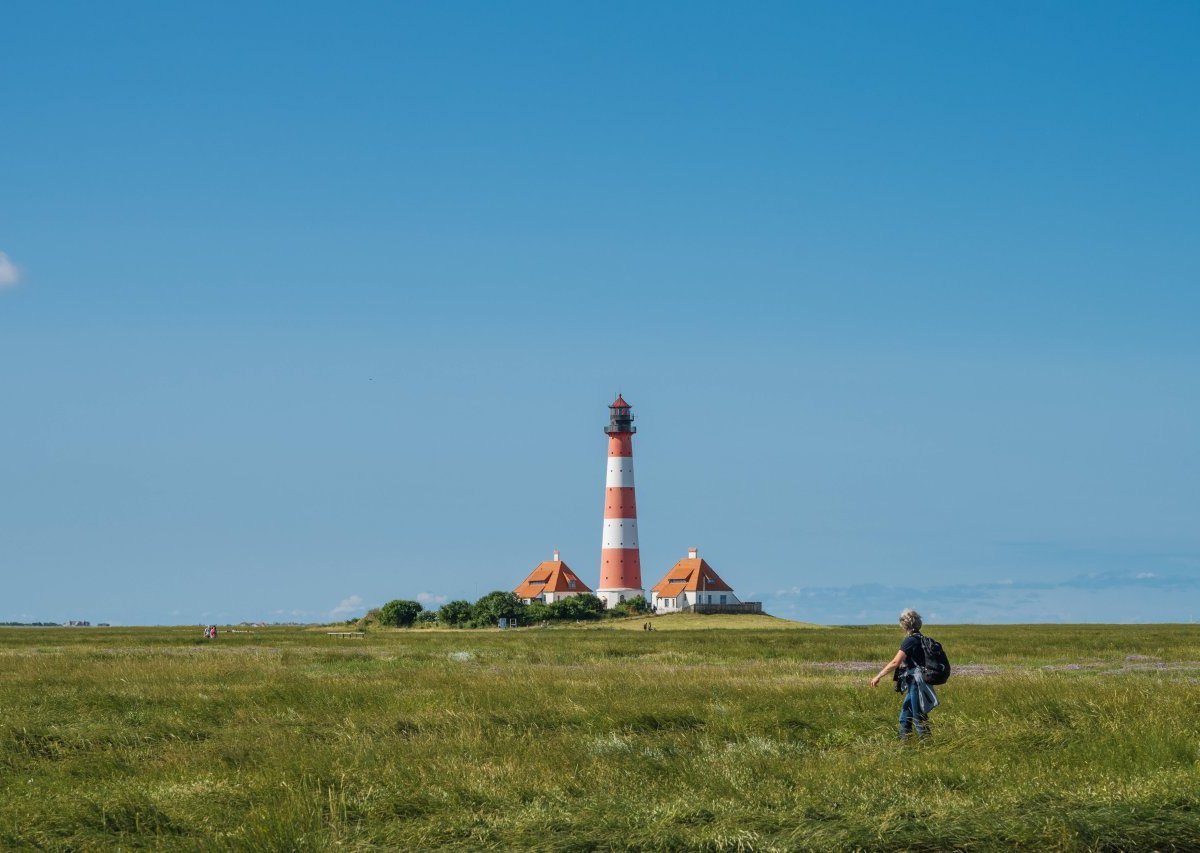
column 691, row 581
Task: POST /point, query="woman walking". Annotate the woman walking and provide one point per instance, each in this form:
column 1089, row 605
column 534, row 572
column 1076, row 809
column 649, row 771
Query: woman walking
column 919, row 698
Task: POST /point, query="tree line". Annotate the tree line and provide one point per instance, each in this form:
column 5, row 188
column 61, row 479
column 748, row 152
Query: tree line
column 489, row 610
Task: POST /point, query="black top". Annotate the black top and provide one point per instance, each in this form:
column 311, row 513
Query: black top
column 914, row 652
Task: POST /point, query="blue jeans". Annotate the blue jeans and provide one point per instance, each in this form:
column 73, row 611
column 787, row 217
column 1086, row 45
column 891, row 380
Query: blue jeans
column 911, row 716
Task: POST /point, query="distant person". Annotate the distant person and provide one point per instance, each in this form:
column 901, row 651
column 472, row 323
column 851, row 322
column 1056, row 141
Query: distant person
column 919, row 698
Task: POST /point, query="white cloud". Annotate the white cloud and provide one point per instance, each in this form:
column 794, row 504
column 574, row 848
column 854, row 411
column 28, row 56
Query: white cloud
column 10, row 273
column 428, row 598
column 1144, row 575
column 349, row 606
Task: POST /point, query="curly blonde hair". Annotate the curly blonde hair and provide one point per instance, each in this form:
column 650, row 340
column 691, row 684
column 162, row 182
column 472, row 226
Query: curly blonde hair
column 910, row 620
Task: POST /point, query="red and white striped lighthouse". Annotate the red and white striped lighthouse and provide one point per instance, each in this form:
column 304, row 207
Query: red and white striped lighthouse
column 620, row 561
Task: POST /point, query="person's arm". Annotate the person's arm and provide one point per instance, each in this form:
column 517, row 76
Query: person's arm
column 892, row 664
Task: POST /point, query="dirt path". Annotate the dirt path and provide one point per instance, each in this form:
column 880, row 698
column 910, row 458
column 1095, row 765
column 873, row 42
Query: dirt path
column 1131, row 664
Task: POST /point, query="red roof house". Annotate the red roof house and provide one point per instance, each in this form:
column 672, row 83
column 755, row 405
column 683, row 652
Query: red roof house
column 691, row 581
column 551, row 581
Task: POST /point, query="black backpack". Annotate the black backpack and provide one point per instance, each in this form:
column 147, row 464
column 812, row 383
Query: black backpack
column 937, row 665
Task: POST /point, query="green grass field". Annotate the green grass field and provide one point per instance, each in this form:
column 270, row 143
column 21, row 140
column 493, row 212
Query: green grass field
column 695, row 736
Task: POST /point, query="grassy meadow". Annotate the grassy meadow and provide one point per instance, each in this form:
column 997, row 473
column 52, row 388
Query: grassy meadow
column 711, row 733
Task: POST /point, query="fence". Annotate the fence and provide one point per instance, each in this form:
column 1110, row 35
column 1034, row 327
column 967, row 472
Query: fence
column 744, row 607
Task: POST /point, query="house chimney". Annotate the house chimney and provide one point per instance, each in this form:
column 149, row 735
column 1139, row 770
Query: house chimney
column 693, row 553
column 556, row 555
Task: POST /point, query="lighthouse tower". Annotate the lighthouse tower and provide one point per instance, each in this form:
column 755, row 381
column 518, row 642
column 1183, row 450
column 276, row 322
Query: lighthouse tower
column 620, row 561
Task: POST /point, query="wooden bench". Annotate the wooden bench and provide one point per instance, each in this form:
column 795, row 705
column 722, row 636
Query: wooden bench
column 347, row 634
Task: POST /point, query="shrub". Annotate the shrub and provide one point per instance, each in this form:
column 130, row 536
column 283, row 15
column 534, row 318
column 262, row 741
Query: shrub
column 400, row 612
column 371, row 618
column 456, row 614
column 635, row 606
column 583, row 606
column 496, row 606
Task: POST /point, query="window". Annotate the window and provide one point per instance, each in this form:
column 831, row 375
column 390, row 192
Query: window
column 722, row 599
column 571, row 583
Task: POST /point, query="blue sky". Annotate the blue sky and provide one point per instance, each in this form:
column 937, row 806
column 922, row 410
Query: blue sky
column 303, row 308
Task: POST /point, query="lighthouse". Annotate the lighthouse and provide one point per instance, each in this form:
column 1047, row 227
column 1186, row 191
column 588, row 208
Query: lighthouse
column 620, row 561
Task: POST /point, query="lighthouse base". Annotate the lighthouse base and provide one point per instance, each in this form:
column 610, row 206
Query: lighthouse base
column 613, row 597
